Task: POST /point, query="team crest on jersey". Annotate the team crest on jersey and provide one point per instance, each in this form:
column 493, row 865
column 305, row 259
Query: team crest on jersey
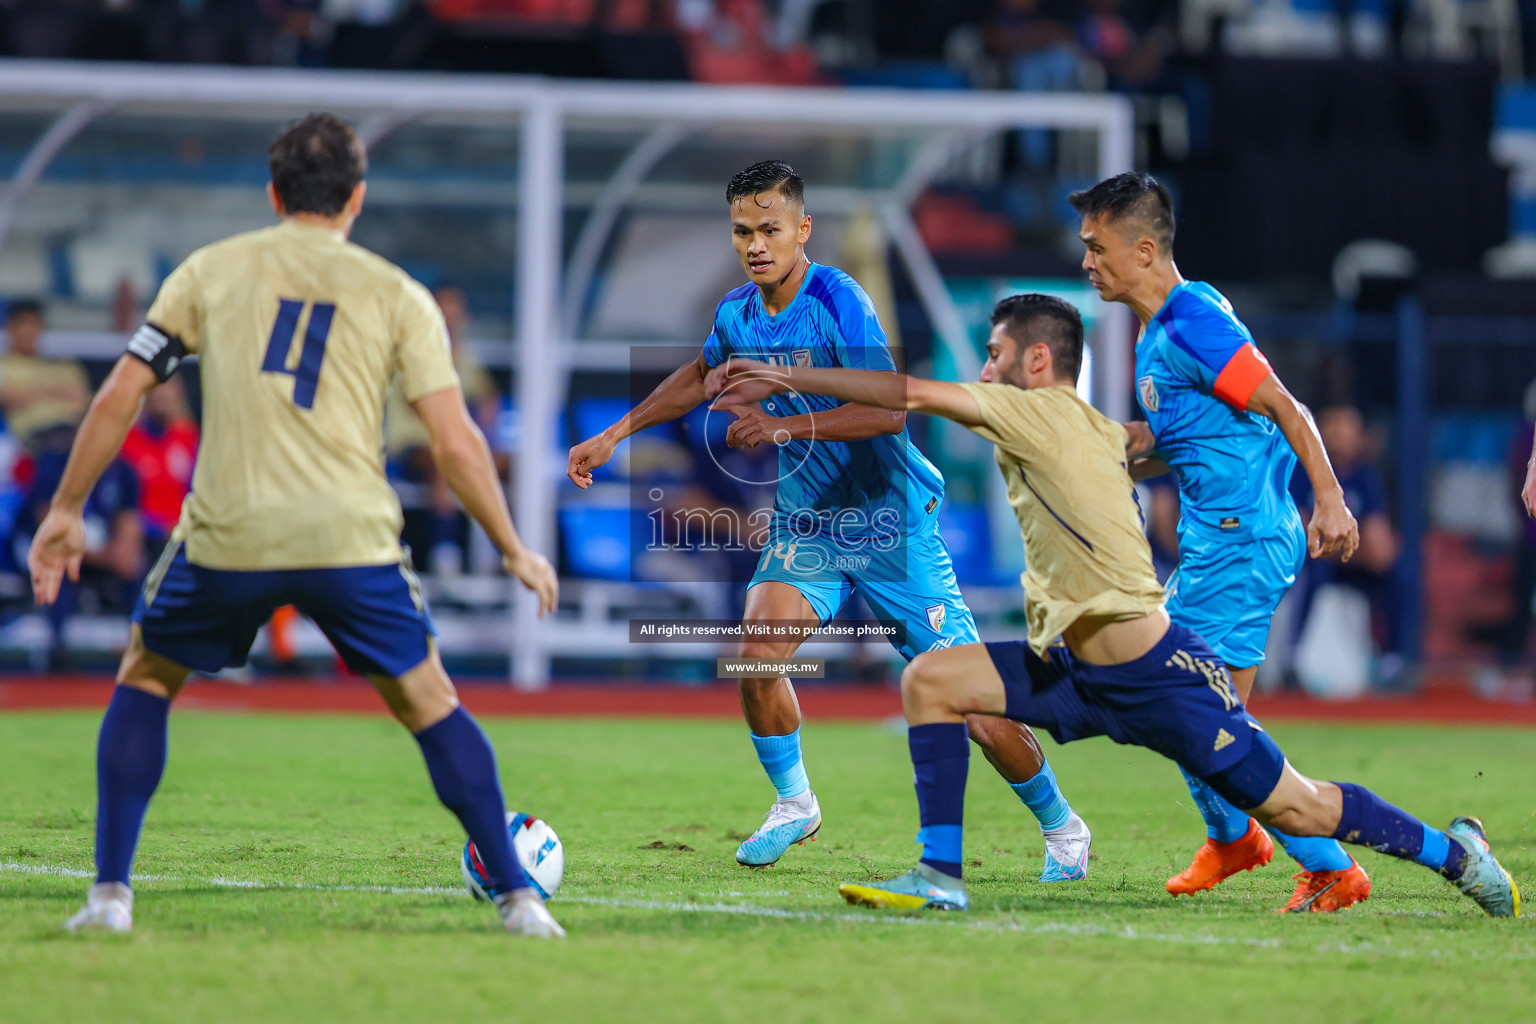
column 1148, row 388
column 802, row 356
column 936, row 614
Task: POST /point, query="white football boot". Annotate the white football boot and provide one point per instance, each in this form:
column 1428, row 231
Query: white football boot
column 524, row 913
column 109, row 908
column 1066, row 852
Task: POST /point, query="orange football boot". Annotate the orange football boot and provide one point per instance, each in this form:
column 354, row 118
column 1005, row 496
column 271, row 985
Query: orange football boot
column 1323, row 892
column 1215, row 861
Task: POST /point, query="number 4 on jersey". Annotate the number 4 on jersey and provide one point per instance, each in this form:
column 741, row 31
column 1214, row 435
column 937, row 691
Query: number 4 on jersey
column 306, row 376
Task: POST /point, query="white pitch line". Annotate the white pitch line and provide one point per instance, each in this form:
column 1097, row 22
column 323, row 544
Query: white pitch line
column 1082, row 930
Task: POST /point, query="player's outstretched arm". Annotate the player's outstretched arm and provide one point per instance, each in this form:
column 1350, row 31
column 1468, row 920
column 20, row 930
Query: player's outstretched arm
column 681, row 391
column 59, row 544
column 460, row 451
column 742, row 381
column 1333, row 527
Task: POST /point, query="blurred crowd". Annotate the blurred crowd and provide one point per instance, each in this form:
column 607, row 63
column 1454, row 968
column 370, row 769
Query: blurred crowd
column 1031, row 44
column 131, row 513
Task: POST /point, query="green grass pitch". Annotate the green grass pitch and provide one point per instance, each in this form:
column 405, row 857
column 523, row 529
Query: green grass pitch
column 299, row 869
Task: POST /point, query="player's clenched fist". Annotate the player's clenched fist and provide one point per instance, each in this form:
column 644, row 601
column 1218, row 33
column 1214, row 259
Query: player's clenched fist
column 1332, row 530
column 535, row 573
column 1528, row 492
column 587, row 456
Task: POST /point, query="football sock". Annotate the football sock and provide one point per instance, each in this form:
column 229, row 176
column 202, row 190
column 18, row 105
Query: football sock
column 1223, row 822
column 941, row 756
column 1043, row 797
column 1368, row 820
column 780, row 757
column 130, row 758
column 463, row 769
column 1315, row 853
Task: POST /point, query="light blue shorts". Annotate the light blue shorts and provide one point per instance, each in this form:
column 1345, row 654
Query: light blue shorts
column 907, row 582
column 1227, row 589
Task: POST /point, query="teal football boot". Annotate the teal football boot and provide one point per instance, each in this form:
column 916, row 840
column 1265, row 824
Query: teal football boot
column 1484, row 878
column 922, row 888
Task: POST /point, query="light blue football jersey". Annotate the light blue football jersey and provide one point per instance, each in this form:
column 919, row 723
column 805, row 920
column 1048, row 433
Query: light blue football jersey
column 885, row 480
column 1196, row 368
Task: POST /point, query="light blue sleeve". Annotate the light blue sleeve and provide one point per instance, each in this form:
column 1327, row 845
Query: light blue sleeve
column 858, row 339
column 1204, row 340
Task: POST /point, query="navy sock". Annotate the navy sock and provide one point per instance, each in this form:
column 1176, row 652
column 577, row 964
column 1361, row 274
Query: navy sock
column 1368, row 820
column 941, row 756
column 463, row 769
column 130, row 758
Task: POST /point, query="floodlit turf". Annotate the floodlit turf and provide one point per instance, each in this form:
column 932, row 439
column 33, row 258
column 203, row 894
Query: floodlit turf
column 268, row 830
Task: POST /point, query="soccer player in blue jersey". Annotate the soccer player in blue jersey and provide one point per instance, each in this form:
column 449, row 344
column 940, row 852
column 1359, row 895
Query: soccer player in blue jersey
column 1220, row 419
column 856, row 509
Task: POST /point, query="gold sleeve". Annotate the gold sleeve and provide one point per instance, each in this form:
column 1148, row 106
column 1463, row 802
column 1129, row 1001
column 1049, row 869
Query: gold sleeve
column 422, row 356
column 1013, row 419
column 175, row 310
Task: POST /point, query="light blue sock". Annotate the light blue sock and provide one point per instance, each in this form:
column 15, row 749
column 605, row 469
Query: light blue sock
column 780, row 756
column 1042, row 796
column 1436, row 849
column 1223, row 822
column 1315, row 853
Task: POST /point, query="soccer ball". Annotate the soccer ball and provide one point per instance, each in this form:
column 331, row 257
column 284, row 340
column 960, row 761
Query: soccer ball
column 537, row 848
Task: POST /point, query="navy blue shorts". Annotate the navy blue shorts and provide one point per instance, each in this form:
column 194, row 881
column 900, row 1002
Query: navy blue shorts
column 207, row 619
column 1176, row 699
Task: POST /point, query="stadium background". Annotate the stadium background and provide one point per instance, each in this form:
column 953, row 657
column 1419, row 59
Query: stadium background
column 1359, row 178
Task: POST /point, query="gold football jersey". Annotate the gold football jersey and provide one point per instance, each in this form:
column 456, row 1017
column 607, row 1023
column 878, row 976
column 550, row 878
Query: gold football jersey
column 299, row 335
column 1085, row 553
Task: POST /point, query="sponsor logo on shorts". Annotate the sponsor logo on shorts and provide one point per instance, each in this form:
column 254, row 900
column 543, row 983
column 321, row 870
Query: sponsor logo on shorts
column 935, row 614
column 933, row 503
column 1229, row 523
column 1224, row 739
column 1148, row 388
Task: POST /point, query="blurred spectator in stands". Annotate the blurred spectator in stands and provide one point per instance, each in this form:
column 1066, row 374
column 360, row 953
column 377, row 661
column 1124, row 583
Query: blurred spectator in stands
column 733, row 41
column 114, row 535
column 1159, row 497
column 434, row 525
column 1132, row 60
column 1370, row 572
column 161, row 448
column 1039, row 54
column 43, row 398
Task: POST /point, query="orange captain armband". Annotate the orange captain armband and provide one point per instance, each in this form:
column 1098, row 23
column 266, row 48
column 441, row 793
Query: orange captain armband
column 1243, row 374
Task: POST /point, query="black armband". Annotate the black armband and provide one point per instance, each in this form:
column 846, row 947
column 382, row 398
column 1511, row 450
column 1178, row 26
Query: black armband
column 158, row 350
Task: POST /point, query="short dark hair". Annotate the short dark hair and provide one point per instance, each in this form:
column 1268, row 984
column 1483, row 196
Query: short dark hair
column 23, row 307
column 766, row 176
column 316, row 163
column 1048, row 320
column 1130, row 196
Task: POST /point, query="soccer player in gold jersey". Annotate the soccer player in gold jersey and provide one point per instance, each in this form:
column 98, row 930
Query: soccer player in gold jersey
column 299, row 335
column 1102, row 657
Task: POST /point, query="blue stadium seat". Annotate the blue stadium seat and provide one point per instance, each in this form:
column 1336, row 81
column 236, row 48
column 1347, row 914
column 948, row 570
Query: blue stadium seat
column 918, row 75
column 597, row 540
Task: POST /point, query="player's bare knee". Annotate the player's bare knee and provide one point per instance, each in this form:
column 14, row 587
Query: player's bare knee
column 922, row 686
column 142, row 669
column 421, row 697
